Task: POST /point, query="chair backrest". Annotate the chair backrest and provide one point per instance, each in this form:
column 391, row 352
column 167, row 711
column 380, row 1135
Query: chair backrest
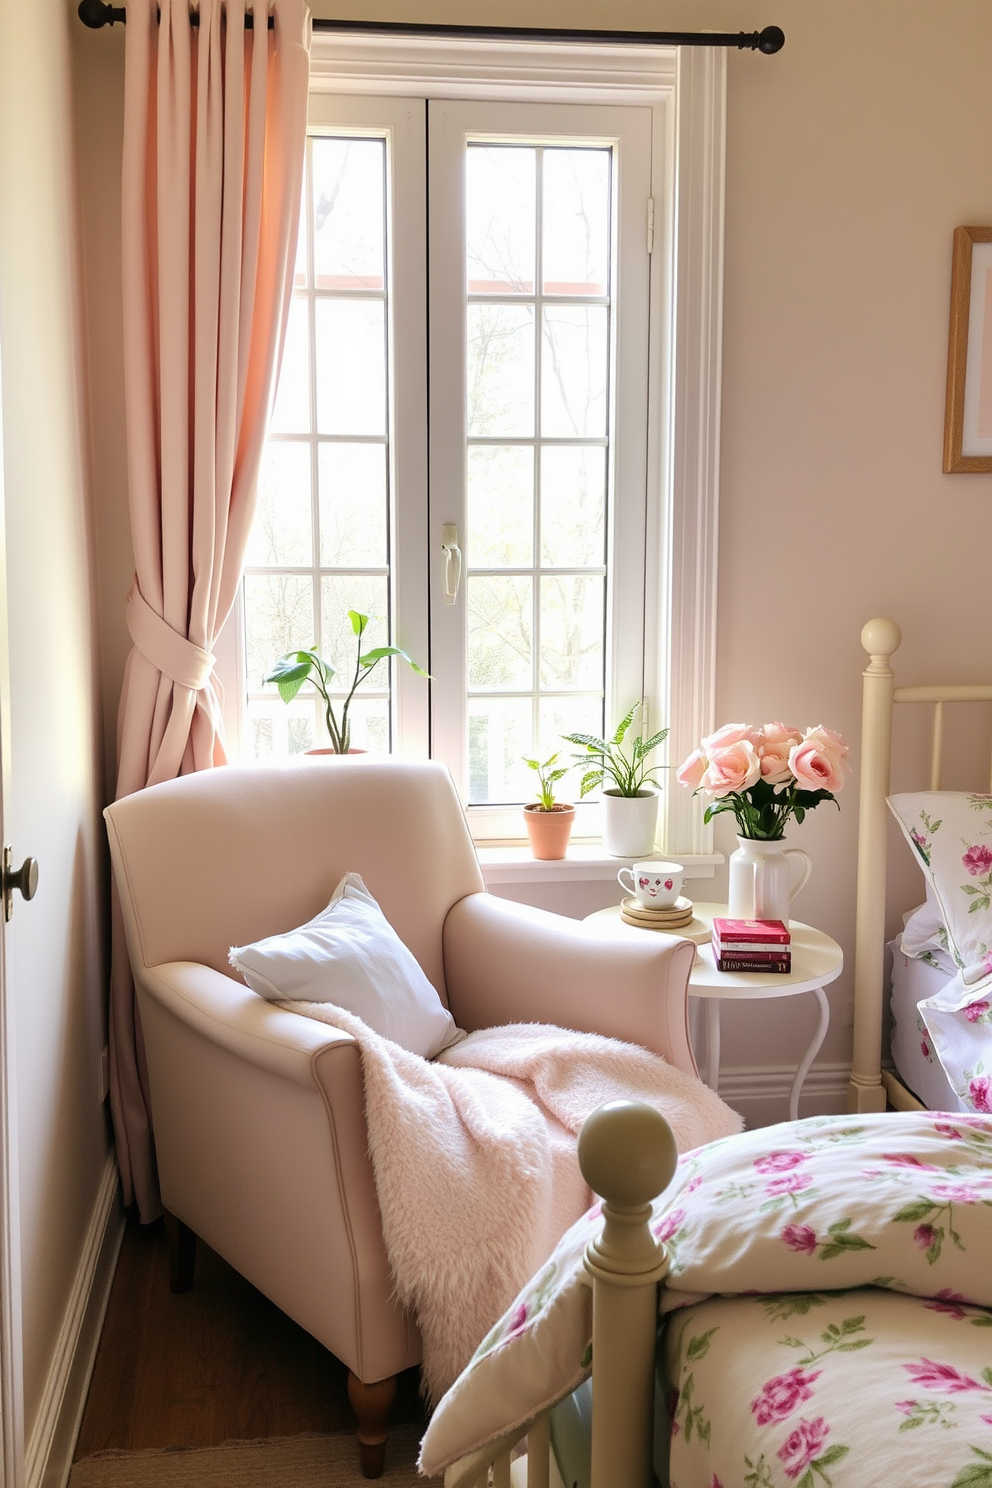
column 227, row 856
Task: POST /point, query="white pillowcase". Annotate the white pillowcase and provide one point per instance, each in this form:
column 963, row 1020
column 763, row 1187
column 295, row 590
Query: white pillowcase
column 351, row 956
column 924, row 935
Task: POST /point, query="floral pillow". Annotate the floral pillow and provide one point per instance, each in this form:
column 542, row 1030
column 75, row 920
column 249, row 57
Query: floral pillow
column 901, row 1201
column 951, row 836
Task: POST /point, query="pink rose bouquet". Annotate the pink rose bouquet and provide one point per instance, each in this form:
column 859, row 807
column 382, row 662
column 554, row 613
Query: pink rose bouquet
column 766, row 774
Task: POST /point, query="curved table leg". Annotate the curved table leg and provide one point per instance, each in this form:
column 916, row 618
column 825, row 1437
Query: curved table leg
column 811, row 1052
column 713, row 1042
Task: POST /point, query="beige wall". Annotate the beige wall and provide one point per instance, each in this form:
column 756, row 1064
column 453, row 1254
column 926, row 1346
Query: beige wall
column 852, row 155
column 55, row 968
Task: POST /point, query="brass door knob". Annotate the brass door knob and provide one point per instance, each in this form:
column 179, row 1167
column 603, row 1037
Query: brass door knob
column 25, row 879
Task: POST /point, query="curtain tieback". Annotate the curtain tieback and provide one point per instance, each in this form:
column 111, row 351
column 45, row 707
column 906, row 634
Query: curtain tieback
column 176, row 657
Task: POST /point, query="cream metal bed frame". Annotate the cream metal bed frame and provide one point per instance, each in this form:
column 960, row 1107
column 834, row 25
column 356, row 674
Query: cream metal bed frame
column 627, row 1154
column 871, row 1087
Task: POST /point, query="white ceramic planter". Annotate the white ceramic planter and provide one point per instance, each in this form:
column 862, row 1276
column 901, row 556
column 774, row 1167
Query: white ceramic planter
column 629, row 824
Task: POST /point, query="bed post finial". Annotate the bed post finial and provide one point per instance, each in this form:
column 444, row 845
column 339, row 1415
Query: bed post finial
column 627, row 1155
column 880, row 639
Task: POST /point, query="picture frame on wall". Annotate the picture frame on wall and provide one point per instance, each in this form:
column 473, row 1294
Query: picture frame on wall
column 968, row 409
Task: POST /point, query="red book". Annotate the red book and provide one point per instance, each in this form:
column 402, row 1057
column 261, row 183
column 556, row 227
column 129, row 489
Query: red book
column 756, row 934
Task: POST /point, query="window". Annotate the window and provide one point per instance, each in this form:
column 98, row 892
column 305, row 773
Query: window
column 483, row 347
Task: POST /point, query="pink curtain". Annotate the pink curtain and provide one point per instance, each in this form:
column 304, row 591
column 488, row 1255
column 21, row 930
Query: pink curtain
column 214, row 136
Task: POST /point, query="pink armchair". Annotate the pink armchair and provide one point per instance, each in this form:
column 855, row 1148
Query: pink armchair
column 258, row 1113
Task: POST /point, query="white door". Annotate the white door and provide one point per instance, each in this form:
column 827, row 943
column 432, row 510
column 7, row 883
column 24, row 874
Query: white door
column 11, row 1394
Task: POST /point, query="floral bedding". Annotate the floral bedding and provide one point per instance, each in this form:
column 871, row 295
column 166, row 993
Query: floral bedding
column 900, row 1203
column 950, row 834
column 828, row 1390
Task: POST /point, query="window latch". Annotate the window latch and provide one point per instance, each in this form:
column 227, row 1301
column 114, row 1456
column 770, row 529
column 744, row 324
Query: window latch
column 452, row 562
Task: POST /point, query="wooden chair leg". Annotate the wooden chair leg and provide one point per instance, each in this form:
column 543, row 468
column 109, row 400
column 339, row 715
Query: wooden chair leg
column 182, row 1253
column 371, row 1404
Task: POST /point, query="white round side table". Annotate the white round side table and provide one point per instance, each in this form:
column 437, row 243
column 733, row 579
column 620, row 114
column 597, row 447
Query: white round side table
column 817, row 960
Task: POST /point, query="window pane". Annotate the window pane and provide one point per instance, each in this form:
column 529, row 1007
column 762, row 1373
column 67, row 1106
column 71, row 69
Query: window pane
column 353, row 515
column 369, row 718
column 348, row 223
column 568, row 715
column 576, row 222
column 276, row 729
column 573, row 505
column 500, row 370
column 291, row 414
column 282, row 531
column 365, row 593
column 351, row 366
column 500, row 633
column 572, row 631
column 574, row 370
column 278, row 618
column 500, row 506
column 500, row 219
column 499, row 735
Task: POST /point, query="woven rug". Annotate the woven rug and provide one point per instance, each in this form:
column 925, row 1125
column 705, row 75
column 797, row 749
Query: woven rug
column 274, row 1462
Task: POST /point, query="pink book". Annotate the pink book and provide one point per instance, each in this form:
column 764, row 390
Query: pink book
column 757, row 933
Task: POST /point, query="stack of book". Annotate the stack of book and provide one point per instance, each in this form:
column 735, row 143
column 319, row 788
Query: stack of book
column 752, row 945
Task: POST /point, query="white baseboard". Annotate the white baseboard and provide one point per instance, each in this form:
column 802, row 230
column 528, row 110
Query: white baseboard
column 761, row 1093
column 50, row 1448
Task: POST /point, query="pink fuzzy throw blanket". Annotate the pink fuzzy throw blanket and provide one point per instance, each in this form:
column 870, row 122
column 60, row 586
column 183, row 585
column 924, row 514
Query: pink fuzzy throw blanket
column 474, row 1158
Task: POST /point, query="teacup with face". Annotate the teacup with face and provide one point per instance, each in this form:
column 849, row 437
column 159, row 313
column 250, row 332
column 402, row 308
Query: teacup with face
column 654, row 885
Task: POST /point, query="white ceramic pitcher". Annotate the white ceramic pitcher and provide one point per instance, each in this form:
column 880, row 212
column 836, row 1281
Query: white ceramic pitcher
column 765, row 877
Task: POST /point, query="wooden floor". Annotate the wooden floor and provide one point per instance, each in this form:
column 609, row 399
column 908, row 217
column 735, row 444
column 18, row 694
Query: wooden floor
column 217, row 1363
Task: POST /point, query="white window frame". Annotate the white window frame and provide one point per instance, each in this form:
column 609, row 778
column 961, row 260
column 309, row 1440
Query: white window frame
column 686, row 89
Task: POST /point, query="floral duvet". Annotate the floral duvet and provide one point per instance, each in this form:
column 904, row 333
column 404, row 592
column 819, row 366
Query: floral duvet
column 813, row 1389
column 828, row 1313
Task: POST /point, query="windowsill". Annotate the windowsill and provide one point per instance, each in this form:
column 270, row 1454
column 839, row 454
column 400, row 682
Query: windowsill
column 584, row 862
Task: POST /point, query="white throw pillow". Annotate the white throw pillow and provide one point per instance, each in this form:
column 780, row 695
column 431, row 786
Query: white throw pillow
column 351, row 956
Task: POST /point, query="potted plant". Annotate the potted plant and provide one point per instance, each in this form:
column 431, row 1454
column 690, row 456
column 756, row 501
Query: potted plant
column 630, row 805
column 549, row 822
column 290, row 672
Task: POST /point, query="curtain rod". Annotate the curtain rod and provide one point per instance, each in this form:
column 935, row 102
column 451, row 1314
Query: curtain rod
column 96, row 14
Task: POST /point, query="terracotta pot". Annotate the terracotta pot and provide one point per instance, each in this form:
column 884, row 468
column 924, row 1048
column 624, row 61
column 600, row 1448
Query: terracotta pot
column 549, row 830
column 334, row 751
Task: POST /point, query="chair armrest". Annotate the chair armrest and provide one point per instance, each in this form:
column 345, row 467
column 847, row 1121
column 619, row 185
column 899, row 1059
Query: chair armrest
column 508, row 963
column 233, row 1016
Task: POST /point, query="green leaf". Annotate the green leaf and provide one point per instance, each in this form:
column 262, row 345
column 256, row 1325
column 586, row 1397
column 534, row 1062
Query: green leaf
column 975, row 1474
column 849, row 1348
column 699, row 1346
column 624, row 725
column 590, row 781
column 588, row 741
column 655, row 740
column 831, row 1455
column 853, row 1324
column 912, row 1213
column 987, row 1375
column 358, row 621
